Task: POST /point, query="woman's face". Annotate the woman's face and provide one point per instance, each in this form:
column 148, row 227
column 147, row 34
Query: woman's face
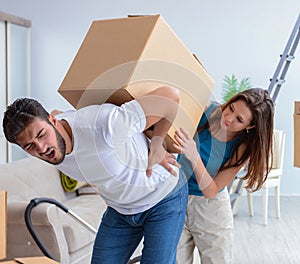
column 236, row 117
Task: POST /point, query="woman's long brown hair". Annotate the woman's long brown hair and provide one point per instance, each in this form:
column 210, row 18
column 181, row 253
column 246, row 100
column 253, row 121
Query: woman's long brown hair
column 258, row 140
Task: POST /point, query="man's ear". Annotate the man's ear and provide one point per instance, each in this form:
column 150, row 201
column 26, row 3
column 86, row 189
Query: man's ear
column 53, row 120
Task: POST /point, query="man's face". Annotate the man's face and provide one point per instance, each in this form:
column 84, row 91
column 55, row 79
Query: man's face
column 42, row 140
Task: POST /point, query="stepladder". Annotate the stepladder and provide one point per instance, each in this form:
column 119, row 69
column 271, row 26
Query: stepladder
column 276, row 82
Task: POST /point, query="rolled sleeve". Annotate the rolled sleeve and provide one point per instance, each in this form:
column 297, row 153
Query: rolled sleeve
column 126, row 121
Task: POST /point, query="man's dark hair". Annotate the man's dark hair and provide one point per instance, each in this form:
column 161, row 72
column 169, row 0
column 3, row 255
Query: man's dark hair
column 19, row 114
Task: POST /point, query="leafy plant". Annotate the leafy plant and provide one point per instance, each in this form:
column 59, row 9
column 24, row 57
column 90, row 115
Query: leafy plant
column 232, row 86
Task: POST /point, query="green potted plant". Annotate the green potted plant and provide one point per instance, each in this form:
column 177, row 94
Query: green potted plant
column 231, row 86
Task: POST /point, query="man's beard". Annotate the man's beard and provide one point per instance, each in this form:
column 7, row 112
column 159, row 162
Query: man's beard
column 61, row 147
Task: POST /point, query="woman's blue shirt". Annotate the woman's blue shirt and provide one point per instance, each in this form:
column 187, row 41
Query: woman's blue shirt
column 214, row 153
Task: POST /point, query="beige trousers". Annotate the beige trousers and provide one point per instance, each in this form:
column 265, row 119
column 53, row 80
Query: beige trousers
column 208, row 226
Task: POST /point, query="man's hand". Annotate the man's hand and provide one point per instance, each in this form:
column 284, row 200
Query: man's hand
column 170, row 159
column 158, row 155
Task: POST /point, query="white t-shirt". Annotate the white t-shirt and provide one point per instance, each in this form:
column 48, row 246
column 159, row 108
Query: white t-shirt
column 111, row 151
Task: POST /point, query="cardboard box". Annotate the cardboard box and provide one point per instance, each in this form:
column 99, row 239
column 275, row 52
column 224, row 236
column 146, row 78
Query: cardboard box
column 31, row 260
column 125, row 58
column 297, row 135
column 3, row 223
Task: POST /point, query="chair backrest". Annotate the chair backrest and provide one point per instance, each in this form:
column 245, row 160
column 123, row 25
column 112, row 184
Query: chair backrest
column 278, row 149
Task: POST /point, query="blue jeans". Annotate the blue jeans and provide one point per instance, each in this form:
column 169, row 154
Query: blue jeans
column 161, row 226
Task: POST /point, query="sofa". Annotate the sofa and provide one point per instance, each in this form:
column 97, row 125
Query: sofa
column 67, row 240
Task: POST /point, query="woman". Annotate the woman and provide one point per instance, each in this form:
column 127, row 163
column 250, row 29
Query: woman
column 228, row 136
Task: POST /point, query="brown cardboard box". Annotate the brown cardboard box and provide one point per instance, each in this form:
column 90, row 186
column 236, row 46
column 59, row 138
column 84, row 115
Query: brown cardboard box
column 3, row 223
column 31, row 260
column 125, row 58
column 297, row 135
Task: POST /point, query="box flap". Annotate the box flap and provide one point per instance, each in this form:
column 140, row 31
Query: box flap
column 36, row 260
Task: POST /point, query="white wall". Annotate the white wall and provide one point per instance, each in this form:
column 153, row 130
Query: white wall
column 233, row 36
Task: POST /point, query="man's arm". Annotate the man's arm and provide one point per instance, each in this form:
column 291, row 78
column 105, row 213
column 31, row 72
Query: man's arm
column 160, row 107
column 55, row 112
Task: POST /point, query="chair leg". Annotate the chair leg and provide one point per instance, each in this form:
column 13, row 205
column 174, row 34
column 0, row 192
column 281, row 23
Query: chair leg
column 250, row 205
column 277, row 201
column 236, row 205
column 265, row 205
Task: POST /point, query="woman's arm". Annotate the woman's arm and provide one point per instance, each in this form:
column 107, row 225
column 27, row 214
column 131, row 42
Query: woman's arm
column 213, row 185
column 208, row 185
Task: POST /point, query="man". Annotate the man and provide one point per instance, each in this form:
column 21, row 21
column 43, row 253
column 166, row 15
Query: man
column 105, row 145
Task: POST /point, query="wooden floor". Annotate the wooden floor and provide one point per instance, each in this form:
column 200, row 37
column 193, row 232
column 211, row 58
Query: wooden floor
column 276, row 243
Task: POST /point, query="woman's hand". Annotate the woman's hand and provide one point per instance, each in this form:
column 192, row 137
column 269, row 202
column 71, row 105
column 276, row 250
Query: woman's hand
column 187, row 146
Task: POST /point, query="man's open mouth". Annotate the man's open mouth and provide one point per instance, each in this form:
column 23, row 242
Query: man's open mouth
column 50, row 154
